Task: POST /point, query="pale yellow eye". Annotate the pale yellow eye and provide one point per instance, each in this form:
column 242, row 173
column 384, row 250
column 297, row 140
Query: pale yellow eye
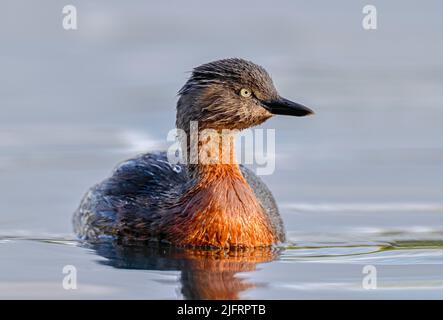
column 245, row 93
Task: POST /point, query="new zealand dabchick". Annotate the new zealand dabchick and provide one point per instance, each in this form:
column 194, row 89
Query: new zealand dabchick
column 214, row 204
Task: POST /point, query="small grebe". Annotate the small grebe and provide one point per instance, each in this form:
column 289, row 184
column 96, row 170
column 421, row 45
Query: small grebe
column 204, row 204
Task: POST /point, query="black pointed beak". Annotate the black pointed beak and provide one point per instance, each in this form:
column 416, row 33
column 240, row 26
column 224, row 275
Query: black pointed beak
column 284, row 106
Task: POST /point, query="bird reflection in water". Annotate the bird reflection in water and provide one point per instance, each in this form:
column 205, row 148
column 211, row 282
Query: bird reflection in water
column 205, row 274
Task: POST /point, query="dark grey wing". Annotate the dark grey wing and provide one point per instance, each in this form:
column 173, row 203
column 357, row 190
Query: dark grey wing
column 264, row 195
column 149, row 174
column 136, row 188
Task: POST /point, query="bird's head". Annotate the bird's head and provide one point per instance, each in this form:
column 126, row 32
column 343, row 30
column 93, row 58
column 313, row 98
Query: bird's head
column 232, row 94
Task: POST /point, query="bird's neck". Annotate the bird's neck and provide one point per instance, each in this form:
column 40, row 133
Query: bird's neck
column 213, row 153
column 220, row 208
